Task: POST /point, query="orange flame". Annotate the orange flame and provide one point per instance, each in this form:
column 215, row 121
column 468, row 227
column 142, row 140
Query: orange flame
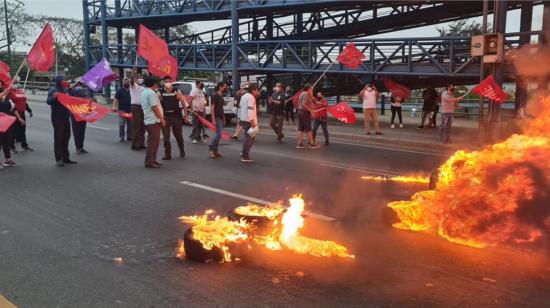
column 401, row 179
column 484, row 198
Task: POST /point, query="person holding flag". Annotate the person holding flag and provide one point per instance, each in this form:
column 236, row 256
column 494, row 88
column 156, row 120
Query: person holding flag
column 153, row 118
column 7, row 108
column 320, row 117
column 448, row 104
column 305, row 109
column 122, row 104
column 370, row 94
column 78, row 128
column 60, row 121
column 138, row 126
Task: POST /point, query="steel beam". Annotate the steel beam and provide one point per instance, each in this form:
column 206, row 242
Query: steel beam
column 234, row 40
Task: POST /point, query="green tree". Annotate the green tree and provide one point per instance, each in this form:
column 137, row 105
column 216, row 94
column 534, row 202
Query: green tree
column 461, row 28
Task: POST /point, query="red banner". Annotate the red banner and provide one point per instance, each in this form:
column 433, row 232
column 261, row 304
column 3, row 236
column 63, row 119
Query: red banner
column 42, row 55
column 343, row 112
column 296, row 99
column 6, row 79
column 6, row 121
column 151, row 47
column 83, row 109
column 212, row 127
column 4, row 67
column 490, row 89
column 397, row 89
column 167, row 66
column 19, row 98
column 351, row 56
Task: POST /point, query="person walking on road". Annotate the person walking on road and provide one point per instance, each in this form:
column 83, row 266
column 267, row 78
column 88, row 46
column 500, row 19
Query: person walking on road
column 8, row 108
column 239, row 128
column 218, row 118
column 138, row 126
column 429, row 96
column 198, row 107
column 122, row 103
column 320, row 117
column 305, row 108
column 78, row 128
column 249, row 120
column 278, row 111
column 289, row 105
column 396, row 109
column 153, row 118
column 370, row 94
column 448, row 103
column 60, row 121
column 172, row 103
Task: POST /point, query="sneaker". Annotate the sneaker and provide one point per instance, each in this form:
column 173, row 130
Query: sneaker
column 194, row 141
column 60, row 163
column 143, row 147
column 204, row 141
column 11, row 163
column 81, row 151
column 129, row 139
column 68, row 161
column 234, row 137
column 122, row 139
column 401, row 126
column 392, row 126
column 218, row 154
column 313, row 146
column 136, row 148
column 205, row 136
column 13, row 151
column 379, row 133
column 152, row 166
column 167, row 157
column 157, row 163
column 211, row 154
column 27, row 149
column 182, row 154
column 300, row 146
column 246, row 160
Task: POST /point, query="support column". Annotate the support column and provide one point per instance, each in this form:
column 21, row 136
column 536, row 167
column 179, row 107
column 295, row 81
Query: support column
column 269, row 91
column 234, row 41
column 521, row 83
column 86, row 32
column 105, row 39
column 167, row 34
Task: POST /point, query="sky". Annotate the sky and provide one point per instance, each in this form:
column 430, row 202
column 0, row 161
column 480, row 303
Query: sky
column 73, row 9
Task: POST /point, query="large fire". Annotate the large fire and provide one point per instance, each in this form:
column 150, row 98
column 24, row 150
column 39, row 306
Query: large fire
column 500, row 194
column 419, row 179
column 282, row 232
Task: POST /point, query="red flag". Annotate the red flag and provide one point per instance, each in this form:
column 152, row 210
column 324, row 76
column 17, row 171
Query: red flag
column 42, row 55
column 167, row 66
column 6, row 121
column 4, row 67
column 225, row 135
column 397, row 89
column 6, row 79
column 490, row 89
column 19, row 98
column 343, row 112
column 351, row 56
column 151, row 47
column 296, row 99
column 126, row 115
column 83, row 109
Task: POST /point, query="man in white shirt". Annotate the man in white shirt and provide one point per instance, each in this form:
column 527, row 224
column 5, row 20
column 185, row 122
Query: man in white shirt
column 248, row 119
column 138, row 126
column 370, row 94
column 448, row 103
column 198, row 107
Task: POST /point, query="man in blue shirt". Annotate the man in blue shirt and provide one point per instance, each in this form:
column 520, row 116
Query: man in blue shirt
column 154, row 120
column 122, row 103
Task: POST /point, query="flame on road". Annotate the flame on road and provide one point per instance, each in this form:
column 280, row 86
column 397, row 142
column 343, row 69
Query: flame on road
column 497, row 195
column 271, row 212
column 401, row 179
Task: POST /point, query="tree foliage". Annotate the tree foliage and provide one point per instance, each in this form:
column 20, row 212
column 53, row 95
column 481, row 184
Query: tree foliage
column 461, row 28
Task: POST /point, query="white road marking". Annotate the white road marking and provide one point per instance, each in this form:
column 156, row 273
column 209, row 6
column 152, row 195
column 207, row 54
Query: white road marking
column 99, row 127
column 251, row 199
column 361, row 170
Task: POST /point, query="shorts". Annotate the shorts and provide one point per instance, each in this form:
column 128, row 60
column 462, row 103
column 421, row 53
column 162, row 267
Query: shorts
column 304, row 121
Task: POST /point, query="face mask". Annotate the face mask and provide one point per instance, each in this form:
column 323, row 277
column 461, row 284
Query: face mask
column 201, row 86
column 126, row 85
column 140, row 81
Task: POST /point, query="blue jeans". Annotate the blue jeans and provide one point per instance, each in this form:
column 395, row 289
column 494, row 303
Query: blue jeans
column 247, row 140
column 320, row 122
column 123, row 122
column 445, row 127
column 216, row 141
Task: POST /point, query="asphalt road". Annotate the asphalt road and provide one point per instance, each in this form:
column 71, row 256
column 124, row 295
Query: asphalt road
column 62, row 230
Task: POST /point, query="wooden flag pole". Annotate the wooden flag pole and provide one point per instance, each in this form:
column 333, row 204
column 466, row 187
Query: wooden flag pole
column 319, row 79
column 26, row 78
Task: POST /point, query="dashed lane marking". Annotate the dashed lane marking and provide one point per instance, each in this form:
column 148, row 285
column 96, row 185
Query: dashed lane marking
column 251, row 199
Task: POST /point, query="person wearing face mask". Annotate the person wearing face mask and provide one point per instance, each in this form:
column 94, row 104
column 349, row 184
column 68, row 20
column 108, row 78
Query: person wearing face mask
column 396, row 110
column 249, row 119
column 122, row 103
column 154, row 120
column 60, row 121
column 79, row 128
column 171, row 102
column 306, row 103
column 278, row 111
column 289, row 105
column 239, row 127
column 218, row 118
column 369, row 94
column 448, row 104
column 320, row 117
column 138, row 126
column 198, row 107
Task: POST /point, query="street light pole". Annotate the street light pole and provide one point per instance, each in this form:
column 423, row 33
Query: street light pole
column 7, row 30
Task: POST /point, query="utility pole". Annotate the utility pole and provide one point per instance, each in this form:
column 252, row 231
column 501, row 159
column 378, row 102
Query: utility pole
column 7, row 30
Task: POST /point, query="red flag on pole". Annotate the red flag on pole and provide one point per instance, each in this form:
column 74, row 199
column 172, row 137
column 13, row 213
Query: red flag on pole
column 4, row 67
column 5, row 78
column 296, row 98
column 6, row 121
column 42, row 55
column 490, row 89
column 19, row 98
column 225, row 135
column 343, row 112
column 83, row 109
column 351, row 56
column 151, row 47
column 397, row 89
column 167, row 66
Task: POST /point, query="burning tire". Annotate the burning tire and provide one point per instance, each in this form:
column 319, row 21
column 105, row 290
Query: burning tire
column 259, row 222
column 195, row 251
